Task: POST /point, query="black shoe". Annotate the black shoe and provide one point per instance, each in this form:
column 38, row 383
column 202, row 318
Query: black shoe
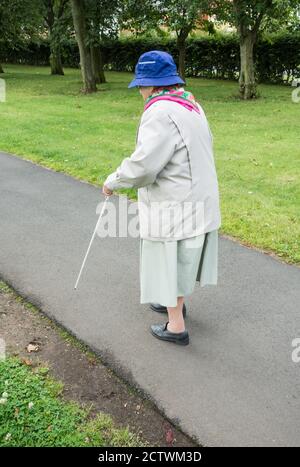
column 163, row 309
column 161, row 332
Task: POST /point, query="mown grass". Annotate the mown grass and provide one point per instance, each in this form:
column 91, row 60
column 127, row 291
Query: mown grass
column 32, row 413
column 257, row 144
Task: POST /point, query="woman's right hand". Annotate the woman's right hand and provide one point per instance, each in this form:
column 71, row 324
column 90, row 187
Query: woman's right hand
column 106, row 191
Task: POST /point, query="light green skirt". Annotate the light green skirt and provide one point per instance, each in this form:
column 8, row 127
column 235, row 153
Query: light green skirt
column 170, row 269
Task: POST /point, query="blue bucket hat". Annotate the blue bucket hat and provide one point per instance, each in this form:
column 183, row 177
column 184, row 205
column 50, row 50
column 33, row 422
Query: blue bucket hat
column 155, row 68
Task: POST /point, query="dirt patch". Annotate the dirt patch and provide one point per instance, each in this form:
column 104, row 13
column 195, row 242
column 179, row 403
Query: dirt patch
column 33, row 337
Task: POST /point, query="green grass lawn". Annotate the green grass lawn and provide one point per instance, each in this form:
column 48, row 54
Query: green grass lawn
column 33, row 414
column 257, row 144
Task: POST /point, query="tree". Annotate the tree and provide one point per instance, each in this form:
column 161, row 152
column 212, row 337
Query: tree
column 180, row 16
column 18, row 20
column 80, row 25
column 57, row 16
column 251, row 17
column 103, row 21
column 139, row 16
column 94, row 21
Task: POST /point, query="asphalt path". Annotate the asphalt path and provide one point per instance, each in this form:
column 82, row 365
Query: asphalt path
column 236, row 384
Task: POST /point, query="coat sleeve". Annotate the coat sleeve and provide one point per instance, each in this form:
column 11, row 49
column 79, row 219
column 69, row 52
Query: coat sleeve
column 155, row 146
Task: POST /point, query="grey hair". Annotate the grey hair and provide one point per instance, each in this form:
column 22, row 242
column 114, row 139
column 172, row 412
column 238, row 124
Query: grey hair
column 169, row 86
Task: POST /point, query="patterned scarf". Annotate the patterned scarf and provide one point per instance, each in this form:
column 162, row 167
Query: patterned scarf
column 176, row 94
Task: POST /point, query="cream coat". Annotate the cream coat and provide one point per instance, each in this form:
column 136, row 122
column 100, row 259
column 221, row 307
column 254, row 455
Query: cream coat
column 173, row 168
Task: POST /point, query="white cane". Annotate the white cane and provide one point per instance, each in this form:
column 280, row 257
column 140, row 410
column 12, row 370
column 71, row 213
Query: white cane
column 93, row 236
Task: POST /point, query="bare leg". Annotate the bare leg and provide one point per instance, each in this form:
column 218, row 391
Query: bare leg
column 176, row 321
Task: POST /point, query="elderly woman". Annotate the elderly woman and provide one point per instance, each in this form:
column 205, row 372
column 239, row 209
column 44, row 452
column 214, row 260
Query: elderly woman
column 178, row 199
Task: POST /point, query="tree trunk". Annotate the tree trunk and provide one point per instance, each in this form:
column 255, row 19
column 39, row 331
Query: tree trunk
column 247, row 82
column 181, row 60
column 182, row 36
column 55, row 54
column 55, row 63
column 97, row 64
column 1, row 69
column 89, row 84
column 101, row 70
column 55, row 59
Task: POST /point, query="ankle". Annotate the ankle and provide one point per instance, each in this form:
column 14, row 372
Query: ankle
column 176, row 328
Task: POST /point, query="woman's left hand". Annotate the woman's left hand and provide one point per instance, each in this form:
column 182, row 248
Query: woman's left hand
column 106, row 191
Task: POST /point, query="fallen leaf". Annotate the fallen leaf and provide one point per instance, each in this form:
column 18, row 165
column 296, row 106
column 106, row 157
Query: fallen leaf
column 32, row 347
column 170, row 436
column 27, row 362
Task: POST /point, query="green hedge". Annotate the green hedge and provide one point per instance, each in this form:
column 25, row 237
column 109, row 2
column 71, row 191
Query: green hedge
column 277, row 56
column 205, row 57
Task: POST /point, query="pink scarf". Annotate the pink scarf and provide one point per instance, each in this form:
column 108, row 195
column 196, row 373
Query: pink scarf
column 179, row 95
